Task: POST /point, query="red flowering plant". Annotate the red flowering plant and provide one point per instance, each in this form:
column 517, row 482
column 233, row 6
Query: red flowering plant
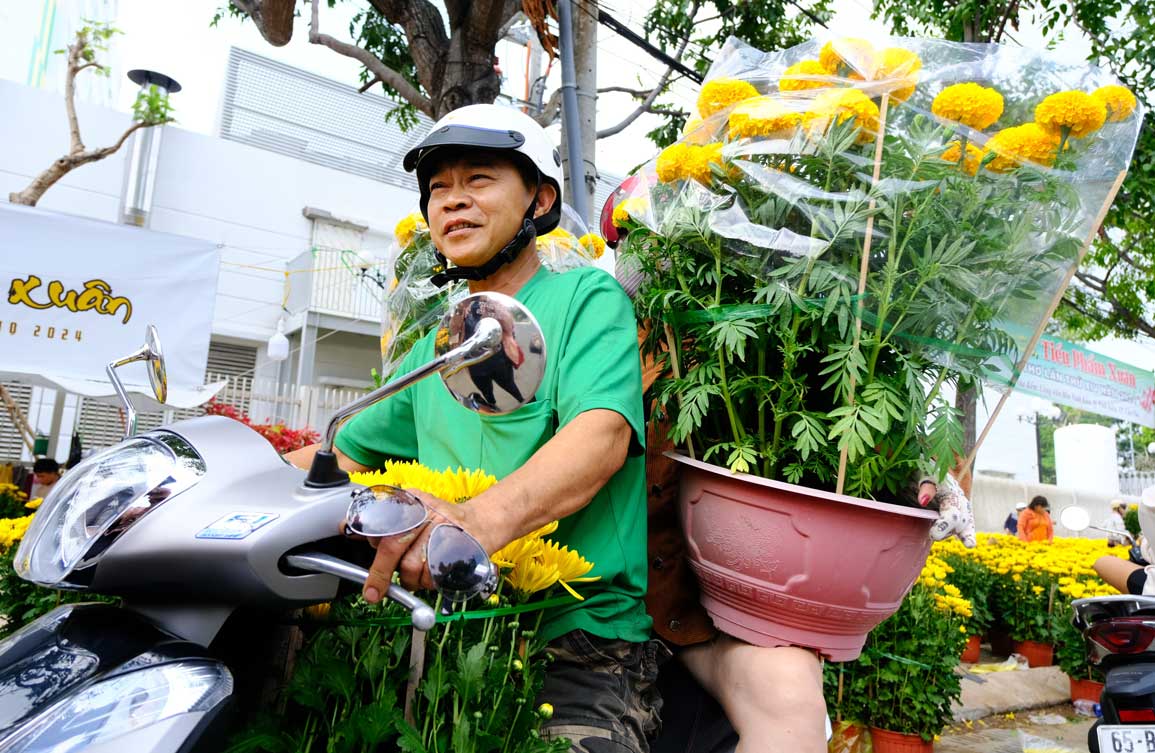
column 281, row 437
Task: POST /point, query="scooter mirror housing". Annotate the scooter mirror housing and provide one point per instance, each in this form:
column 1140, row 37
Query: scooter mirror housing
column 1075, row 518
column 490, row 352
column 151, row 354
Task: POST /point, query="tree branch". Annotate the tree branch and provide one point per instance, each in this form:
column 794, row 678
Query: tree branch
column 273, row 18
column 550, row 110
column 387, row 75
column 648, row 102
column 635, row 93
column 76, row 144
column 425, row 31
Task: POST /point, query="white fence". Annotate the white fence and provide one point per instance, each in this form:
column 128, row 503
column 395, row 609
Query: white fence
column 1134, row 482
column 297, row 407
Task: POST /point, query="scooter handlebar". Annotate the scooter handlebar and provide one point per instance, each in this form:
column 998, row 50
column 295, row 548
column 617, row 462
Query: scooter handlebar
column 422, row 614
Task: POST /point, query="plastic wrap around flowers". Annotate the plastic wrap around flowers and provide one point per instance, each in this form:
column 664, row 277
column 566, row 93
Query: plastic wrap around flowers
column 849, row 228
column 413, row 305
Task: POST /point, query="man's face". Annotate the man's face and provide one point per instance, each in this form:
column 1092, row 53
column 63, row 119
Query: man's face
column 47, row 478
column 476, row 206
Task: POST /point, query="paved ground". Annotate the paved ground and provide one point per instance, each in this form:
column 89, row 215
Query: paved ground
column 991, row 736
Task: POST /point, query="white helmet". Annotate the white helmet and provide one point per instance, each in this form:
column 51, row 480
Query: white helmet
column 496, row 128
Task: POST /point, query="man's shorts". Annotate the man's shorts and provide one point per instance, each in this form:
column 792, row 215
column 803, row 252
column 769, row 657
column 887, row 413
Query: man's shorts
column 603, row 692
column 1137, row 583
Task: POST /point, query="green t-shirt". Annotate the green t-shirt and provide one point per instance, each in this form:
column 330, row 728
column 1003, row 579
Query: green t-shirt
column 591, row 362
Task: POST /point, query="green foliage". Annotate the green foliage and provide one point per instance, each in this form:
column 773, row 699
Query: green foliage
column 347, row 692
column 1114, row 293
column 1131, row 521
column 774, row 376
column 975, row 582
column 904, row 681
column 1071, row 651
column 1030, row 606
column 152, row 107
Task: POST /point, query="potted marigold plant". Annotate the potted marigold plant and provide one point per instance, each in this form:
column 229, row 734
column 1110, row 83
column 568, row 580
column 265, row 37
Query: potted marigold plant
column 903, row 684
column 851, row 232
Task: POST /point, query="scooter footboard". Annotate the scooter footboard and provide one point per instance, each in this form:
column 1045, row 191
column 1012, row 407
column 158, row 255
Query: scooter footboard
column 88, row 675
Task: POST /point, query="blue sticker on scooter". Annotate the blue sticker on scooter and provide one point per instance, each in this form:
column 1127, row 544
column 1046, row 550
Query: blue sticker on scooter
column 238, row 525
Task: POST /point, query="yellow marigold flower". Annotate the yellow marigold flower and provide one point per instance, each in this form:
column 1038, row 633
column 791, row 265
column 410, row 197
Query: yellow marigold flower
column 1120, row 103
column 634, row 207
column 902, row 67
column 721, row 93
column 807, row 74
column 1027, row 142
column 701, row 161
column 408, row 228
column 671, row 161
column 974, row 156
column 841, row 105
column 594, row 244
column 972, row 105
column 846, row 55
column 1073, row 113
column 762, row 116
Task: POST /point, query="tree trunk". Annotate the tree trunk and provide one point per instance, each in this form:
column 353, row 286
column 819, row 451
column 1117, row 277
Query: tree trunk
column 41, row 183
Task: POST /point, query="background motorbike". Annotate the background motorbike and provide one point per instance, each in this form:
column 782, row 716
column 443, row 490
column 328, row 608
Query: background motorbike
column 1120, row 636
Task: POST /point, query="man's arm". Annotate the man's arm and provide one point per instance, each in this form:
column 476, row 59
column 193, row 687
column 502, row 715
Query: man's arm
column 303, row 458
column 559, row 479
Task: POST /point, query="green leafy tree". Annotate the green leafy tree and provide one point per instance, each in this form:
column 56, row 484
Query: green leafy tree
column 150, row 109
column 1114, row 290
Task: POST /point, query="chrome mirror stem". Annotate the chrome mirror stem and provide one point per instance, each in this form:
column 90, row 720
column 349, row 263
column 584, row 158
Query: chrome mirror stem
column 126, row 403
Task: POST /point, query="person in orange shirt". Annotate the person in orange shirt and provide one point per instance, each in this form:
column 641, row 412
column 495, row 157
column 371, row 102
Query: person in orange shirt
column 1035, row 522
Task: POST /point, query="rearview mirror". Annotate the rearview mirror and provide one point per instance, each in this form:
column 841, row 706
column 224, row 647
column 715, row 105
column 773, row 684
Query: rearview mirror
column 1075, row 518
column 151, row 354
column 509, row 378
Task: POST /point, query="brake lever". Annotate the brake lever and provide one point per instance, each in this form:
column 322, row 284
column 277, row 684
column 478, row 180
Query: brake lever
column 423, row 616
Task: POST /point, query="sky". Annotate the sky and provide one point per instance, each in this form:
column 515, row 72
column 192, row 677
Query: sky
column 175, row 37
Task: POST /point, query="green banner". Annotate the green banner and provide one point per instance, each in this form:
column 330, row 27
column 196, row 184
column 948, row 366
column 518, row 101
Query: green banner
column 1067, row 373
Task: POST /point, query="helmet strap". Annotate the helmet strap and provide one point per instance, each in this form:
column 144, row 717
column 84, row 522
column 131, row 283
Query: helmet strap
column 507, row 255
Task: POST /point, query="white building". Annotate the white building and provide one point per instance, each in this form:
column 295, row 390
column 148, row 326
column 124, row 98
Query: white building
column 300, row 190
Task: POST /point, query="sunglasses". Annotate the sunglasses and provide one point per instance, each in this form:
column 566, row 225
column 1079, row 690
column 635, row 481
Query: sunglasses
column 458, row 564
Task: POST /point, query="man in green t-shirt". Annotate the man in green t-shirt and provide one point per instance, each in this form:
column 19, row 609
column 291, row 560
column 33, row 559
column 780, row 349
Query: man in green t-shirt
column 574, row 453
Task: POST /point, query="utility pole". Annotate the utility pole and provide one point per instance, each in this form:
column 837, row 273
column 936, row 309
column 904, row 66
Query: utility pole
column 578, row 42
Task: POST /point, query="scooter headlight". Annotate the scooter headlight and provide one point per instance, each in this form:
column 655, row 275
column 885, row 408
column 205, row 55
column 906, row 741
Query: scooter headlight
column 123, row 704
column 90, row 506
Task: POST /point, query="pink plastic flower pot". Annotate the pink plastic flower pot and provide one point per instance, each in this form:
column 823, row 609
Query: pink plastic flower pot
column 782, row 565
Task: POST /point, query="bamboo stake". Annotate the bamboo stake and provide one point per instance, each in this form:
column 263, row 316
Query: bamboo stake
column 672, row 344
column 416, row 671
column 967, row 466
column 863, row 268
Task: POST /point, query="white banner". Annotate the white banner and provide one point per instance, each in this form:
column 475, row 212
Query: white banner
column 79, row 293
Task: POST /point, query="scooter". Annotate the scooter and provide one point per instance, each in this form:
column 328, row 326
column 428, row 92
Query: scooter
column 1120, row 636
column 193, row 523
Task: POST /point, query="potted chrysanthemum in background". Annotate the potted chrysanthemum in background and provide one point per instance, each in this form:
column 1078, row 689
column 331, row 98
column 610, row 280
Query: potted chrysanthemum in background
column 850, row 233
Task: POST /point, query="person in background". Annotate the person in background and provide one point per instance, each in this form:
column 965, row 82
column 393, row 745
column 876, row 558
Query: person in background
column 1035, row 522
column 1114, row 522
column 45, row 473
column 1011, row 525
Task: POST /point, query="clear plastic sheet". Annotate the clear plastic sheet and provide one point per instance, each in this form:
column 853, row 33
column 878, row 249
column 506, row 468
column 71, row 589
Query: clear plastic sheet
column 413, row 305
column 966, row 180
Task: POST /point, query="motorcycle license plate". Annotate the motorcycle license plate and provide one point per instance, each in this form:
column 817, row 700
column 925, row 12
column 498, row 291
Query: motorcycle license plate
column 1129, row 738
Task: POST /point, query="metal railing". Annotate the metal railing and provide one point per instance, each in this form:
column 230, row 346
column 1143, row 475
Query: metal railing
column 341, row 283
column 298, row 407
column 1134, row 482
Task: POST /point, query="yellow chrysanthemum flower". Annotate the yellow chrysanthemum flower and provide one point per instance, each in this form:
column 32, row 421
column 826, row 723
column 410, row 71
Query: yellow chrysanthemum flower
column 762, row 116
column 12, row 530
column 840, row 105
column 451, row 485
column 408, row 228
column 34, row 504
column 974, row 156
column 1118, row 100
column 1027, row 142
column 1071, row 113
column 721, row 93
column 972, row 105
column 807, row 74
column 530, row 575
column 570, row 566
column 900, row 67
column 846, row 55
column 594, row 245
